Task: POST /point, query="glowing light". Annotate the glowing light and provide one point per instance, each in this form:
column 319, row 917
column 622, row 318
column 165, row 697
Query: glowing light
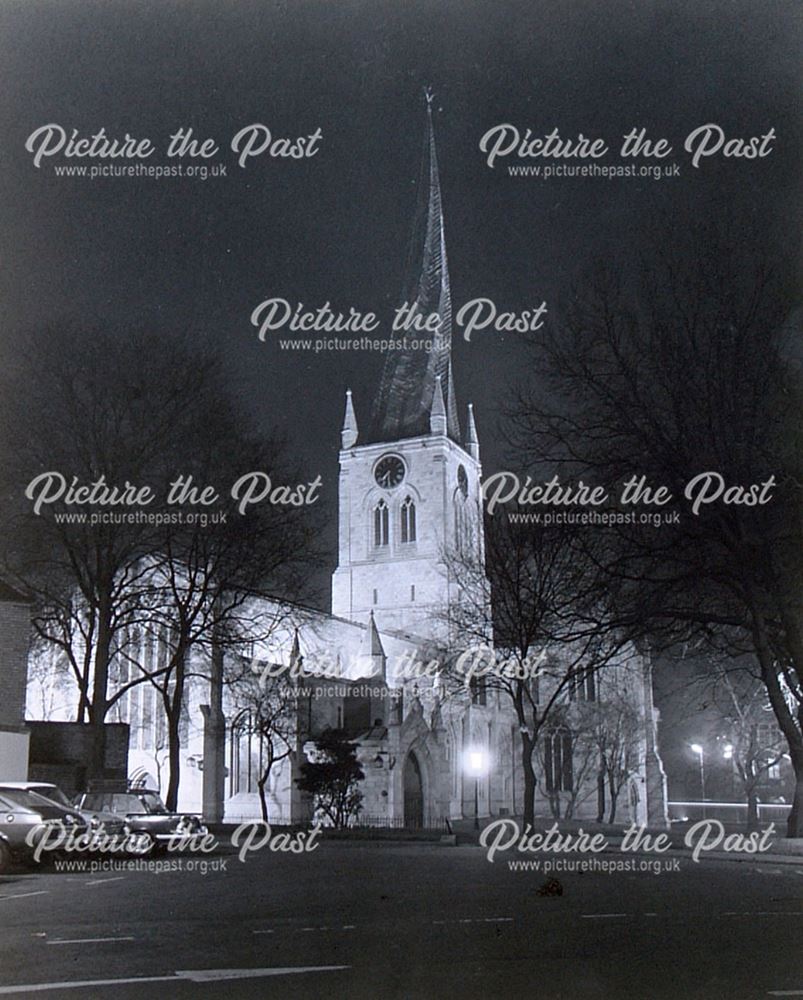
column 476, row 762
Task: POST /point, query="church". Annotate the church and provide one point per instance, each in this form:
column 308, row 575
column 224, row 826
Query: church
column 409, row 488
column 409, row 493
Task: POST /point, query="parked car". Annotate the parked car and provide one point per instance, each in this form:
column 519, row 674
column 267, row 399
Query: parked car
column 143, row 812
column 111, row 824
column 21, row 812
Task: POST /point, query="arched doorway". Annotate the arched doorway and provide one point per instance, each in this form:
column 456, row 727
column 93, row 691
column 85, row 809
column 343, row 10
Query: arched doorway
column 413, row 794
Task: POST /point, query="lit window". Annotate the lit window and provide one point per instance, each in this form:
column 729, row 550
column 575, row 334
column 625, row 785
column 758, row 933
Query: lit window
column 381, row 524
column 408, row 521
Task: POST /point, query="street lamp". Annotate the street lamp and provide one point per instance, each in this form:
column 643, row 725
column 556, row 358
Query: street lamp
column 476, row 763
column 728, row 750
column 697, row 749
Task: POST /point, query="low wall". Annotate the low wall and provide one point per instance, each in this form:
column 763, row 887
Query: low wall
column 60, row 750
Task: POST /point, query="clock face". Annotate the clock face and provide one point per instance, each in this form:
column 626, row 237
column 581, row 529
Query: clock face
column 462, row 480
column 389, row 472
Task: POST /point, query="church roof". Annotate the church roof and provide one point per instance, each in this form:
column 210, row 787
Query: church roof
column 323, row 643
column 407, row 387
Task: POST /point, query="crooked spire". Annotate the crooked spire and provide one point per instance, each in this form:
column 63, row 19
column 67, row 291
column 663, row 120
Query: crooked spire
column 407, row 387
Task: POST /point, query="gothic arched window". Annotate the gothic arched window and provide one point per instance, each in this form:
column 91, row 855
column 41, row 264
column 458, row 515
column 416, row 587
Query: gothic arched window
column 583, row 686
column 463, row 534
column 408, row 520
column 381, row 524
column 558, row 754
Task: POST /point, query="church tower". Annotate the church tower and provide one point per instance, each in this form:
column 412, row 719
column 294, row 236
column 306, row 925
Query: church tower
column 409, row 496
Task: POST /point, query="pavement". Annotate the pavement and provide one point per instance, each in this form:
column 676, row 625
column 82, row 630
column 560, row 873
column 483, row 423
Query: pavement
column 384, row 920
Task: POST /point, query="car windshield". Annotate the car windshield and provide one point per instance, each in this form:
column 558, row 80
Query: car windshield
column 128, row 804
column 124, row 803
column 55, row 794
column 152, row 802
column 29, row 801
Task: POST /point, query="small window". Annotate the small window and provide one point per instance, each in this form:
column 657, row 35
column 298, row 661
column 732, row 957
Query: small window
column 479, row 691
column 376, row 596
column 408, row 521
column 412, row 591
column 381, row 524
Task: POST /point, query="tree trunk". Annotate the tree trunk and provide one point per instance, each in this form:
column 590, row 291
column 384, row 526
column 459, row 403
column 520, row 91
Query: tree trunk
column 100, row 682
column 752, row 810
column 173, row 757
column 600, row 795
column 263, row 802
column 791, row 729
column 175, row 701
column 794, row 825
column 83, row 700
column 614, row 803
column 613, row 788
column 527, row 747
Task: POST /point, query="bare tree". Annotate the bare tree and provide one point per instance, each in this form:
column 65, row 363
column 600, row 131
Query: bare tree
column 531, row 606
column 693, row 372
column 133, row 411
column 206, row 579
column 731, row 691
column 618, row 729
column 271, row 707
column 568, row 745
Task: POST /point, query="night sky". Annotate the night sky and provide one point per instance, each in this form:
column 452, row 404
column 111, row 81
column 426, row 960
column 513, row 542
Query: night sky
column 182, row 254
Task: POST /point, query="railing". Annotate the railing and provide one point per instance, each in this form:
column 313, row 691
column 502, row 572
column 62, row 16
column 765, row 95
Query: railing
column 727, row 812
column 429, row 824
